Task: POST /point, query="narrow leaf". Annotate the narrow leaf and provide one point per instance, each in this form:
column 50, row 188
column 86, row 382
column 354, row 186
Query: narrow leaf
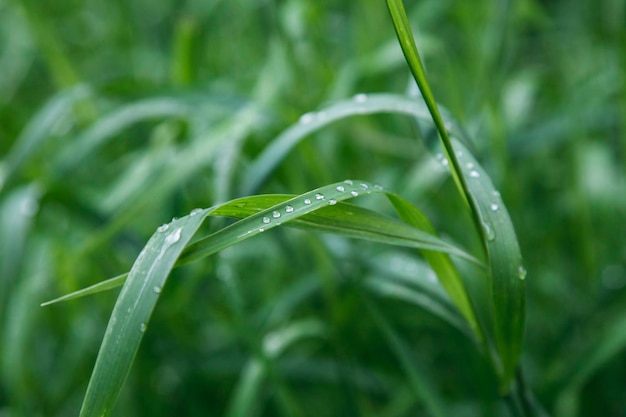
column 132, row 312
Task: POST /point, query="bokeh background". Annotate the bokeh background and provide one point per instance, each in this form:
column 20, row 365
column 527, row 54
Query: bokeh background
column 117, row 115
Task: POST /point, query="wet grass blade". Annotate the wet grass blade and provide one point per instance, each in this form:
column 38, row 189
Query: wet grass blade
column 321, row 210
column 132, row 311
column 342, row 219
column 488, row 212
column 508, row 275
column 359, row 105
column 148, row 275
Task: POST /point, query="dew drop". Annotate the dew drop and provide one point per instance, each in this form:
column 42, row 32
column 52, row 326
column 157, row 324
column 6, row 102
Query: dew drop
column 489, row 233
column 469, row 165
column 459, row 153
column 261, row 230
column 493, row 207
column 349, row 182
column 354, row 193
column 332, row 202
column 340, row 188
column 307, row 201
column 142, row 327
column 275, row 214
column 319, row 196
column 364, row 186
column 156, row 289
column 360, row 98
column 289, row 209
column 163, row 228
column 266, row 220
column 378, row 187
column 474, row 174
column 195, row 212
column 174, row 219
column 521, row 272
column 495, row 193
column 29, row 207
column 173, row 237
column 307, row 118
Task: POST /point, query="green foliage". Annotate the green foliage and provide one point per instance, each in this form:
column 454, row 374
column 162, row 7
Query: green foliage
column 118, row 116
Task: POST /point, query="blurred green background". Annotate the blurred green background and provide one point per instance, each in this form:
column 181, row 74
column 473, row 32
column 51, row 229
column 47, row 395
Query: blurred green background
column 116, row 116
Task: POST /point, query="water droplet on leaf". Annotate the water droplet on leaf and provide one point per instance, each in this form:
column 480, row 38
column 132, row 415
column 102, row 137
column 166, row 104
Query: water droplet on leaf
column 493, row 207
column 349, row 182
column 521, row 272
column 307, row 201
column 340, row 188
column 332, row 202
column 474, row 174
column 489, row 233
column 354, row 193
column 289, row 209
column 360, row 98
column 275, row 214
column 156, row 289
column 266, row 220
column 163, row 228
column 29, row 207
column 173, row 237
column 195, row 212
column 319, row 196
column 307, row 118
column 142, row 327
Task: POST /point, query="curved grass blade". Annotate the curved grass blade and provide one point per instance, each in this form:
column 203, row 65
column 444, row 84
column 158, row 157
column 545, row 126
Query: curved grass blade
column 256, row 370
column 320, row 210
column 346, row 220
column 442, row 265
column 359, row 105
column 148, row 275
column 132, row 312
column 417, row 285
column 508, row 275
column 116, row 122
column 38, row 129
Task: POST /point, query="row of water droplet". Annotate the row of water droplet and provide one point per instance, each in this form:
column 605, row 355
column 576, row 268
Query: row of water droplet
column 493, row 206
column 362, row 187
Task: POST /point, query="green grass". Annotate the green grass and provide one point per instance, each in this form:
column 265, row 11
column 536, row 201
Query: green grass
column 118, row 117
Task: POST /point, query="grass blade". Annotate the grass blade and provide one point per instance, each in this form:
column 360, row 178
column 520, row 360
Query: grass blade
column 442, row 265
column 489, row 214
column 311, row 122
column 346, row 220
column 116, row 122
column 38, row 130
column 132, row 312
column 108, row 284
